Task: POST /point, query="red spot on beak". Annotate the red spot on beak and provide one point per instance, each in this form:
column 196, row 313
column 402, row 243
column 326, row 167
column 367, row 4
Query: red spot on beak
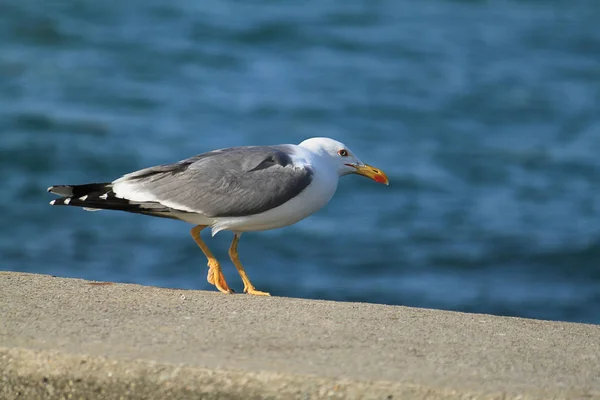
column 379, row 179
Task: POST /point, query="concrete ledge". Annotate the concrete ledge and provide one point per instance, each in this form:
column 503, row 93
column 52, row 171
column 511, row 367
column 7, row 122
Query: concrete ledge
column 38, row 374
column 78, row 339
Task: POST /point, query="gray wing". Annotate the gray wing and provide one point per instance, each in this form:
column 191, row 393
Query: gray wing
column 231, row 182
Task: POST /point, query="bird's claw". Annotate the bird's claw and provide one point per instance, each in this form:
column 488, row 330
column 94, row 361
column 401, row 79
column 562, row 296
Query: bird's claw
column 255, row 292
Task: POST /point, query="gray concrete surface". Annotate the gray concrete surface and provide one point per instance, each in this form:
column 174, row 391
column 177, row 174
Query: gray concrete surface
column 68, row 337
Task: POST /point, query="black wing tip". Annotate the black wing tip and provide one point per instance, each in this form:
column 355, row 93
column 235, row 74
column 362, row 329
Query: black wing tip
column 63, row 201
column 80, row 190
column 54, row 188
column 61, row 190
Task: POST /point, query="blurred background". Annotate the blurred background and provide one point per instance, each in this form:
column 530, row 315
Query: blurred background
column 484, row 114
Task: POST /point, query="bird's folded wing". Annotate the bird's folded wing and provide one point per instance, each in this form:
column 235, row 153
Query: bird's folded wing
column 223, row 183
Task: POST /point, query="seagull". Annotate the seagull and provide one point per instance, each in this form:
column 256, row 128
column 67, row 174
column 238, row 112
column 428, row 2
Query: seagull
column 239, row 189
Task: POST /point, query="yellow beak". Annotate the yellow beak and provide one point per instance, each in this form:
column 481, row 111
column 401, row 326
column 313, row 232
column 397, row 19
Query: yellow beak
column 371, row 172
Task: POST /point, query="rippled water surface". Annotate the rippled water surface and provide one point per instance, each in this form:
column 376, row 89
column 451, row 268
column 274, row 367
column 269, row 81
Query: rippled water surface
column 484, row 114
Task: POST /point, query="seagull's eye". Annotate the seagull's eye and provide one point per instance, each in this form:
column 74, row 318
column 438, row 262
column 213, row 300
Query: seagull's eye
column 343, row 153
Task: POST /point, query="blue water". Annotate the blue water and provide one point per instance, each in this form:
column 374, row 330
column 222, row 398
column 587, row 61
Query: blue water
column 484, row 114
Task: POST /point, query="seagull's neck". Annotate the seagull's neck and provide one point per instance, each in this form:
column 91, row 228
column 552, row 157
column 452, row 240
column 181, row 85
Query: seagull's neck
column 320, row 160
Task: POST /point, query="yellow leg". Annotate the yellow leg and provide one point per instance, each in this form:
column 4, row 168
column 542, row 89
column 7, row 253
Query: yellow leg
column 233, row 254
column 215, row 275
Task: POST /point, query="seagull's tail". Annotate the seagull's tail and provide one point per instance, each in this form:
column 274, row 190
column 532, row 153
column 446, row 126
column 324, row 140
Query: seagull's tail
column 91, row 196
column 100, row 196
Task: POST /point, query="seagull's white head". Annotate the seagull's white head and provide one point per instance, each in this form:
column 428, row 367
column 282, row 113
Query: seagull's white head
column 343, row 158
